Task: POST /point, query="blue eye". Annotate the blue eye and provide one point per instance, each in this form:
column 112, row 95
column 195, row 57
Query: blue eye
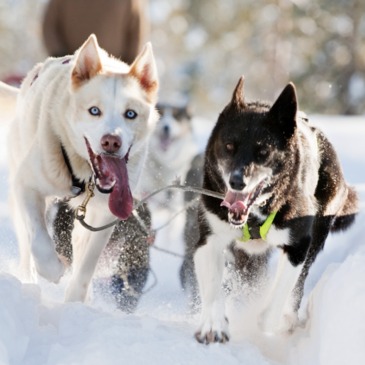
column 130, row 114
column 95, row 111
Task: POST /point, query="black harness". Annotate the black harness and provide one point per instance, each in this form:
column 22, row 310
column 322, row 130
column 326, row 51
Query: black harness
column 78, row 186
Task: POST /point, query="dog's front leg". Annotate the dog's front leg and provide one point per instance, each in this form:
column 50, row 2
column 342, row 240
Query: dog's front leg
column 87, row 247
column 209, row 265
column 280, row 316
column 28, row 209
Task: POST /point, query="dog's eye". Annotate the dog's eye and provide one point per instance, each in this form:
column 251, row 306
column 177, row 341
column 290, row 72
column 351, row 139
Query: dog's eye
column 130, row 114
column 229, row 147
column 95, row 111
column 180, row 114
column 262, row 153
column 160, row 112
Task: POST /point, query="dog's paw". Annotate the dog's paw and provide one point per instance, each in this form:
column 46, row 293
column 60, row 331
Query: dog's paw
column 283, row 325
column 216, row 332
column 77, row 289
column 51, row 270
column 211, row 336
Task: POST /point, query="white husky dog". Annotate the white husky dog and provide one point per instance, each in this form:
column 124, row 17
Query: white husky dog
column 79, row 118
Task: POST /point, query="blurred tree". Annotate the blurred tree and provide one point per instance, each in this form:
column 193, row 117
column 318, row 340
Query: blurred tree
column 202, row 48
column 334, row 71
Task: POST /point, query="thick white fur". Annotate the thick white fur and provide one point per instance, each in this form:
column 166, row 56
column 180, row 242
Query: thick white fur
column 52, row 108
column 209, row 261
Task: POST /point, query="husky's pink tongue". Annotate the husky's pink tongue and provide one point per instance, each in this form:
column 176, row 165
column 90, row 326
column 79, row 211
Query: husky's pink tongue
column 235, row 202
column 114, row 171
column 111, row 177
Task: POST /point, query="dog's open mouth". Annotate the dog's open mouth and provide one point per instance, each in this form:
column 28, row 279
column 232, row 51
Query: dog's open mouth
column 111, row 177
column 165, row 141
column 239, row 204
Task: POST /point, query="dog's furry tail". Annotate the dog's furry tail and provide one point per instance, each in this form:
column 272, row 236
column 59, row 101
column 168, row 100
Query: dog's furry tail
column 8, row 98
column 346, row 216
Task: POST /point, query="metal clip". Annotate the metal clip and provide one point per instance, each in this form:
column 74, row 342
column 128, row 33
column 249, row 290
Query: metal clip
column 81, row 209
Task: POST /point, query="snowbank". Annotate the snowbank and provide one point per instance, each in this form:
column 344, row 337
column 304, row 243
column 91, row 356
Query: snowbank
column 37, row 328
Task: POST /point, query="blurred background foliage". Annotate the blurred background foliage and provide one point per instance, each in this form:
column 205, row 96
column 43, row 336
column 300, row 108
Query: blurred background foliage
column 203, row 47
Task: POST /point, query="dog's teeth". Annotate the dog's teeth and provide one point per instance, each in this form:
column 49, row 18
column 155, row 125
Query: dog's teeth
column 109, row 186
column 105, row 186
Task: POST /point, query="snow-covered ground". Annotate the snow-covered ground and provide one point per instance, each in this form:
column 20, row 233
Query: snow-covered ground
column 37, row 328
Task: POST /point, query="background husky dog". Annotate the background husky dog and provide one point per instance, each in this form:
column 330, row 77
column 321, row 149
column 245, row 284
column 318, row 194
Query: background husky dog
column 79, row 118
column 283, row 187
column 172, row 146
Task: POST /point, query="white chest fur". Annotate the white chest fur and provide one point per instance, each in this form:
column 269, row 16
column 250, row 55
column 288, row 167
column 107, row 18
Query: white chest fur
column 275, row 237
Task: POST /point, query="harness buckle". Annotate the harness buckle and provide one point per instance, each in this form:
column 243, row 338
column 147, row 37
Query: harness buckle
column 81, row 209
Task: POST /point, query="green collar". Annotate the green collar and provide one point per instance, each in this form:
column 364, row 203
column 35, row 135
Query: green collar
column 264, row 228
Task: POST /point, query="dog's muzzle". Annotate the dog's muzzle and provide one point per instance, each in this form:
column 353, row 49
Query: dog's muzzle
column 239, row 204
column 111, row 177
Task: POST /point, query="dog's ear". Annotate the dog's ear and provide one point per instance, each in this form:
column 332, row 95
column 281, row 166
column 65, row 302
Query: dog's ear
column 144, row 69
column 282, row 114
column 238, row 94
column 88, row 62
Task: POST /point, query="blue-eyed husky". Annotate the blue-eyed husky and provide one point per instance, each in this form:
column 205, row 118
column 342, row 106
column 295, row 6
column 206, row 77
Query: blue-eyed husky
column 283, row 188
column 78, row 119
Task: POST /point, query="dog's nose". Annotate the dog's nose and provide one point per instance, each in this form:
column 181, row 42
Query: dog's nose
column 111, row 143
column 166, row 129
column 236, row 180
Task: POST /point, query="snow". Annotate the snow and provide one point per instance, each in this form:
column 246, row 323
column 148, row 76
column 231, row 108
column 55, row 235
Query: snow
column 37, row 328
